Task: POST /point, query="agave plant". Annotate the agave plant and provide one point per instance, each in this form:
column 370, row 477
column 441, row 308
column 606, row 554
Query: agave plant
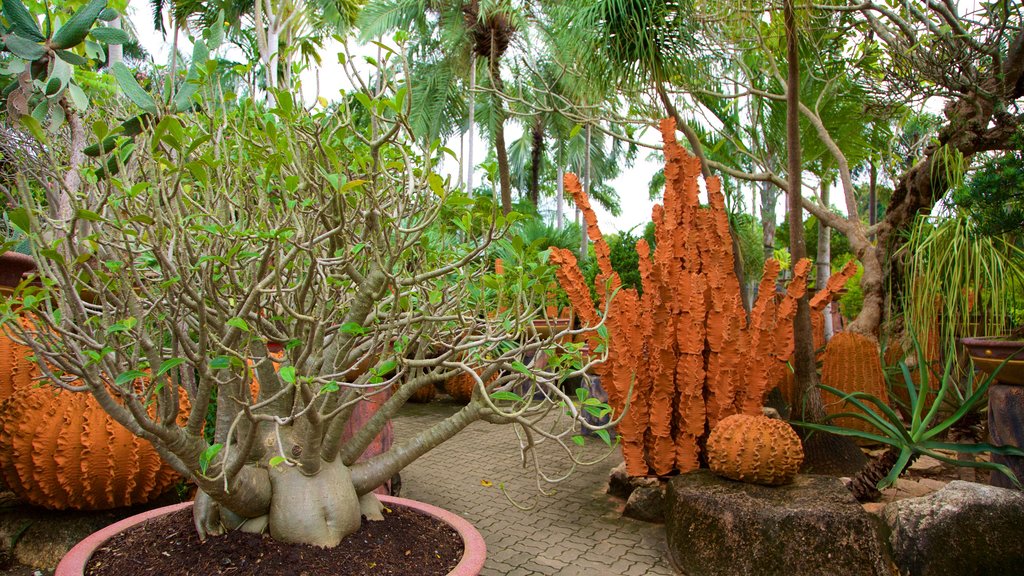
column 920, row 436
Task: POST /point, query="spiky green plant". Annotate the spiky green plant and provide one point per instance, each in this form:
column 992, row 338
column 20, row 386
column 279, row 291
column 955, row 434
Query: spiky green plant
column 921, row 435
column 958, row 279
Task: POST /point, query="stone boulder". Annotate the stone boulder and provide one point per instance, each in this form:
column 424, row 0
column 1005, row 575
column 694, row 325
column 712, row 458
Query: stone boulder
column 646, row 503
column 813, row 526
column 965, row 528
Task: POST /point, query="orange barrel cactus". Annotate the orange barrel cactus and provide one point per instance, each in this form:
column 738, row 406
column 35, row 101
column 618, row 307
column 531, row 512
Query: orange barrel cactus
column 852, row 363
column 60, row 450
column 755, row 449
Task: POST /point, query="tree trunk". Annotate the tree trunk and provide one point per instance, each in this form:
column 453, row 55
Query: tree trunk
column 504, row 176
column 115, row 52
column 769, row 195
column 560, row 198
column 472, row 114
column 865, row 484
column 823, row 260
column 804, row 365
column 873, row 194
column 536, row 159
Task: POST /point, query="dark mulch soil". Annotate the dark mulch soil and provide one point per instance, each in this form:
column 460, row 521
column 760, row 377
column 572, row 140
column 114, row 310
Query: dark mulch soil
column 405, row 543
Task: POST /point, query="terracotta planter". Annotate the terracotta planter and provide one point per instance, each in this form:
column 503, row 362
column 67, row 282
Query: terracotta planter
column 473, row 555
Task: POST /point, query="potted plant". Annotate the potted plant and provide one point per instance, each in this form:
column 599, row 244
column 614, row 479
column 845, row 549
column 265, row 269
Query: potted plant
column 205, row 235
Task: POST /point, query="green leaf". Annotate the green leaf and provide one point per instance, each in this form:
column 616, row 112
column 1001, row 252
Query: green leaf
column 107, row 145
column 436, row 185
column 72, row 58
column 575, row 131
column 220, row 363
column 128, row 377
column 83, row 214
column 78, row 97
column 131, row 88
column 183, row 98
column 122, row 326
column 578, row 440
column 21, row 20
column 521, row 368
column 506, row 395
column 77, row 27
column 108, row 35
column 331, row 386
column 603, row 435
column 53, row 86
column 215, row 33
column 169, row 364
column 288, row 374
column 19, row 217
column 385, row 367
column 239, row 323
column 207, row 456
column 352, row 328
column 277, row 461
column 24, row 48
column 107, row 15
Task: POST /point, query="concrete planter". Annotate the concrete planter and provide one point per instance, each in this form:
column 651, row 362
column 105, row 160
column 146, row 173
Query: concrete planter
column 473, row 556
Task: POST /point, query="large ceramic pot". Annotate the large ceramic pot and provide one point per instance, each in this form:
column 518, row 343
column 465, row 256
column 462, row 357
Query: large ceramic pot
column 1004, row 358
column 989, row 355
column 13, row 265
column 473, row 555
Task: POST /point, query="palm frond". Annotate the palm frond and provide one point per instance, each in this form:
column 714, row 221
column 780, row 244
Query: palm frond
column 380, row 17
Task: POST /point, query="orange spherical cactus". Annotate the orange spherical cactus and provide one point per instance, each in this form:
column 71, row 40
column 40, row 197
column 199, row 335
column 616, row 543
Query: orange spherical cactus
column 755, row 449
column 60, row 450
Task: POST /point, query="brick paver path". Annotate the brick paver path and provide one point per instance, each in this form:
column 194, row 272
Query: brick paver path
column 576, row 530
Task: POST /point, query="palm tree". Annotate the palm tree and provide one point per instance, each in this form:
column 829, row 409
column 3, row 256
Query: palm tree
column 467, row 31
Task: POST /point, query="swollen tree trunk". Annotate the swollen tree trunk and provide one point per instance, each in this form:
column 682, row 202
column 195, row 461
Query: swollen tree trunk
column 804, row 368
column 823, row 260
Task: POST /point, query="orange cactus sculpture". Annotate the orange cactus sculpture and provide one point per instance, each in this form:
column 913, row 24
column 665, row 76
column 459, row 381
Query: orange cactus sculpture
column 60, row 450
column 852, row 364
column 755, row 449
column 683, row 352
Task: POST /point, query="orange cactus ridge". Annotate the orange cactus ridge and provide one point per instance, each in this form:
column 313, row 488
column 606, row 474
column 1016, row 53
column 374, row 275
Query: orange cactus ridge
column 685, row 345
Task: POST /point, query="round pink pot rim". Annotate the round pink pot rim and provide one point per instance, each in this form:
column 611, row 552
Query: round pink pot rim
column 473, row 556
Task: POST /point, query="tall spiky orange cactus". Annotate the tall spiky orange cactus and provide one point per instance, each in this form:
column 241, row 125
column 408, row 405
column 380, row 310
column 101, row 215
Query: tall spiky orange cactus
column 684, row 351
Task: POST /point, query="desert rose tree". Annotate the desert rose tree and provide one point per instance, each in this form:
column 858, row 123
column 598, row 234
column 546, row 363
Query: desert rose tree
column 232, row 280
